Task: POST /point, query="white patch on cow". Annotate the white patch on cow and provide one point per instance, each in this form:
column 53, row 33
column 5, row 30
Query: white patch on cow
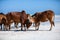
column 31, row 19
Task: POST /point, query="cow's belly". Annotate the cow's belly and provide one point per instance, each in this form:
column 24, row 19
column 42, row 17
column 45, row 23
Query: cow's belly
column 44, row 20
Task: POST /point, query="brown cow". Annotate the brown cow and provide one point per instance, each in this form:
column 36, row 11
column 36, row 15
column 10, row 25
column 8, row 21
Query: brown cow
column 24, row 20
column 18, row 17
column 13, row 17
column 3, row 19
column 42, row 17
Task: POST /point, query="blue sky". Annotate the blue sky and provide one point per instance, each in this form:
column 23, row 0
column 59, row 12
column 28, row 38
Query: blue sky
column 30, row 6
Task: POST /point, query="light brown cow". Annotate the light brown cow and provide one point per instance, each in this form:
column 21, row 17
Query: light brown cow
column 38, row 17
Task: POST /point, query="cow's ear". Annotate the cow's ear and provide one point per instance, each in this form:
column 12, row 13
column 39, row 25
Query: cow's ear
column 23, row 11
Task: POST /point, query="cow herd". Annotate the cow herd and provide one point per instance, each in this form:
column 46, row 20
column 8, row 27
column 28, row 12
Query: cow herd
column 25, row 19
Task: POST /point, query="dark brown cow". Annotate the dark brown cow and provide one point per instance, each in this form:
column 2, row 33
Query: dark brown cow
column 24, row 20
column 42, row 17
column 18, row 17
column 13, row 17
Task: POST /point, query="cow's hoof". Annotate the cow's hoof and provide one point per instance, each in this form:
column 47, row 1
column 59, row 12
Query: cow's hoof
column 49, row 29
column 21, row 29
column 37, row 29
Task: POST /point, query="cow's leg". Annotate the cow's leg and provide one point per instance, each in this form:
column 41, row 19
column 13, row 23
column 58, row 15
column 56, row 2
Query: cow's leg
column 37, row 26
column 1, row 26
column 16, row 25
column 51, row 22
column 5, row 27
column 51, row 25
column 25, row 28
column 9, row 27
column 22, row 24
column 22, row 27
column 33, row 24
